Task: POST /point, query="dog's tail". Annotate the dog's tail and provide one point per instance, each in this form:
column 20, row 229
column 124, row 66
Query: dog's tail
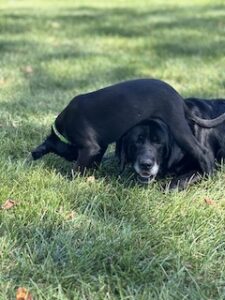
column 207, row 123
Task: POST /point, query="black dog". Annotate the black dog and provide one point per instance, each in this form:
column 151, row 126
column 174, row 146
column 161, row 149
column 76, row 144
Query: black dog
column 90, row 122
column 152, row 150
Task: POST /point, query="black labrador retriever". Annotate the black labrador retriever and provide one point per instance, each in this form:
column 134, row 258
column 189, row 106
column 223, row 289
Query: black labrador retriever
column 83, row 130
column 152, row 150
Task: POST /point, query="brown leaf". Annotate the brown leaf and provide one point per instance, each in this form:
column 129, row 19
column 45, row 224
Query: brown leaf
column 70, row 215
column 8, row 204
column 28, row 69
column 210, row 201
column 23, row 294
column 91, row 179
column 2, row 81
column 55, row 25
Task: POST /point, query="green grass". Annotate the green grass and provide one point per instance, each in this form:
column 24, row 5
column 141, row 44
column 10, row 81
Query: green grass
column 123, row 241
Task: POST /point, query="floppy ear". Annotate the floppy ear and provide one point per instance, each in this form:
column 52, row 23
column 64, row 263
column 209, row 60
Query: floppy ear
column 172, row 152
column 166, row 136
column 175, row 155
column 121, row 152
column 41, row 150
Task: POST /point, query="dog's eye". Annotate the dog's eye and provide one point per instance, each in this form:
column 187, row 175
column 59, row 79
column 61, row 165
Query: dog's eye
column 140, row 138
column 155, row 139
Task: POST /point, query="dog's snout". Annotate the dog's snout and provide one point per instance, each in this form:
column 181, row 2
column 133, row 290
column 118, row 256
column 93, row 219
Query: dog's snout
column 146, row 164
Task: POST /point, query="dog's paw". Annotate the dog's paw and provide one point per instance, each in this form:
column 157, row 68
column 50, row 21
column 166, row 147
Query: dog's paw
column 35, row 155
column 175, row 185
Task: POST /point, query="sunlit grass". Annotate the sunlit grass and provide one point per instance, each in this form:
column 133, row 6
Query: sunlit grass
column 111, row 238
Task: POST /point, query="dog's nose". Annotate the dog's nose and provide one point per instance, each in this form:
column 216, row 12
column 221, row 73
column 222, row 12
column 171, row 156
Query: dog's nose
column 147, row 164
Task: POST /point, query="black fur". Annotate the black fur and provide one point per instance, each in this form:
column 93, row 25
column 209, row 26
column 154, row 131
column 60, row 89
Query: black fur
column 94, row 120
column 158, row 145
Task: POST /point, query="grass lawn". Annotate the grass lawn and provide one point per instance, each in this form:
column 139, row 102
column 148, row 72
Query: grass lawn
column 108, row 238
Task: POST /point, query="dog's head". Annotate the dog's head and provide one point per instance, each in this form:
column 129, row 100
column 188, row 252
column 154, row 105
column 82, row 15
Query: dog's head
column 147, row 147
column 53, row 144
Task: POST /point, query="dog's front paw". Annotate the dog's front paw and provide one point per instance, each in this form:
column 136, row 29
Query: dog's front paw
column 36, row 154
column 175, row 185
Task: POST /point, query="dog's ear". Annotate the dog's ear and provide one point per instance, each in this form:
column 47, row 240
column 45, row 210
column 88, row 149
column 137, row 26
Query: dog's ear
column 175, row 153
column 41, row 150
column 172, row 151
column 121, row 152
column 167, row 138
column 173, row 156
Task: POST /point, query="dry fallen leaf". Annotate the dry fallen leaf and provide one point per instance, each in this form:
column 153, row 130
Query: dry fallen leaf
column 8, row 204
column 55, row 24
column 23, row 294
column 2, row 81
column 70, row 215
column 210, row 201
column 91, row 179
column 28, row 69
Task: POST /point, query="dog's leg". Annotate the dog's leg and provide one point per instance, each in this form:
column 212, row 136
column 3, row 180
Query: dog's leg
column 40, row 151
column 88, row 156
column 183, row 181
column 199, row 152
column 98, row 158
column 187, row 141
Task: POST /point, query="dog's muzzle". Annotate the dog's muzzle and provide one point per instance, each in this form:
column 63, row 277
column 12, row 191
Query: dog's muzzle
column 146, row 171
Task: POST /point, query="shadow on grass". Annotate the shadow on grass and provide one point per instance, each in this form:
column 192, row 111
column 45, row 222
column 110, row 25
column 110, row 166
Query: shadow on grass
column 182, row 29
column 175, row 24
column 181, row 33
column 106, row 244
column 120, row 259
column 167, row 31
